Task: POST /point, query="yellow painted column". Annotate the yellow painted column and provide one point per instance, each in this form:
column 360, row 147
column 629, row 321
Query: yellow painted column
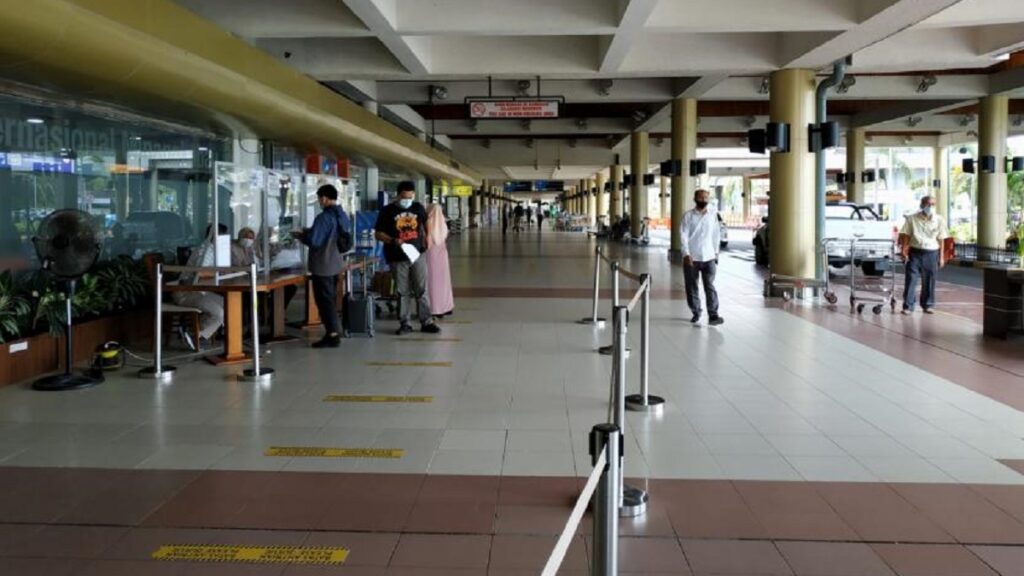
column 602, row 206
column 791, row 209
column 992, row 190
column 638, row 160
column 940, row 174
column 748, row 200
column 684, row 148
column 663, row 196
column 615, row 198
column 855, row 142
column 591, row 203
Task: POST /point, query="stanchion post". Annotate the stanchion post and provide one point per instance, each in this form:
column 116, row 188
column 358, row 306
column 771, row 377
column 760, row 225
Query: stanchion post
column 633, row 501
column 593, row 319
column 644, row 401
column 608, row 350
column 158, row 370
column 606, row 499
column 257, row 372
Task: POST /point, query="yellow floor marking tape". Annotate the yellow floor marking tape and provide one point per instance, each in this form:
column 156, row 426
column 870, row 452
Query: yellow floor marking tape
column 321, row 555
column 398, row 399
column 413, row 364
column 428, row 339
column 317, row 452
column 456, row 321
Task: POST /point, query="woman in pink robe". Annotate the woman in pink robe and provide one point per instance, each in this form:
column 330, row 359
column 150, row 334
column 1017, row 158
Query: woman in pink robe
column 439, row 278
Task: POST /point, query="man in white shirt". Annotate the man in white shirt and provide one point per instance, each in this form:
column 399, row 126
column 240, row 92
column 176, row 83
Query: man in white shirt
column 700, row 242
column 211, row 305
column 921, row 246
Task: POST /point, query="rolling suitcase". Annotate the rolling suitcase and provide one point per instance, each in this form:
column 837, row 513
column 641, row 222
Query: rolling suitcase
column 357, row 312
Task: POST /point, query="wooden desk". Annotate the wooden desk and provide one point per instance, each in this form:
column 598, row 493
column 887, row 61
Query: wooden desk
column 234, row 291
column 1004, row 302
column 312, row 313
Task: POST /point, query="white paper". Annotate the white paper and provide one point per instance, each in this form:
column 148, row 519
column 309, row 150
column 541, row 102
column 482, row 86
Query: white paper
column 411, row 252
column 223, row 251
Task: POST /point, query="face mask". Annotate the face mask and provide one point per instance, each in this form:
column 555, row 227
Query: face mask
column 927, row 210
column 701, row 204
column 247, row 242
column 405, row 203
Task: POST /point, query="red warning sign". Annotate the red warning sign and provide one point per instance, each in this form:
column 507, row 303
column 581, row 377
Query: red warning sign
column 513, row 109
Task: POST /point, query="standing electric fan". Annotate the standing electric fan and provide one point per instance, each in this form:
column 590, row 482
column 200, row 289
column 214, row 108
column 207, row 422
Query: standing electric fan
column 68, row 245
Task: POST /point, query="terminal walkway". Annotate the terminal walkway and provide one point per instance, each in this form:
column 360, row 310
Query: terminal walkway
column 797, row 440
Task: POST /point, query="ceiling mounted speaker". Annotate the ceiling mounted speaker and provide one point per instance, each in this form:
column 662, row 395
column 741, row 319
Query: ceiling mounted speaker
column 867, row 176
column 757, row 141
column 840, row 177
column 672, row 168
column 967, row 165
column 627, row 179
column 987, row 164
column 883, row 174
column 1017, row 164
column 648, row 179
column 698, row 167
column 936, row 183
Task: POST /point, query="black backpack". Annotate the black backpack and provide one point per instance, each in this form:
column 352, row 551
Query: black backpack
column 343, row 237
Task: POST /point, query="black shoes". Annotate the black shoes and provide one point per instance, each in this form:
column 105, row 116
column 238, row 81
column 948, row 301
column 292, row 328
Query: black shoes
column 404, row 329
column 695, row 319
column 431, row 328
column 328, row 342
column 716, row 321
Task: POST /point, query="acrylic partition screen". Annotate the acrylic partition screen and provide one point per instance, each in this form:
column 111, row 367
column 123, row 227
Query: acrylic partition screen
column 285, row 197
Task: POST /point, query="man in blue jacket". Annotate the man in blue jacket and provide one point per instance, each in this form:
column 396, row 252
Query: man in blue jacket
column 325, row 261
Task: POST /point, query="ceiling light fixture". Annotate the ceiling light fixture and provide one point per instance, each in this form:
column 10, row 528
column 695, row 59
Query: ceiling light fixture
column 965, row 120
column 749, row 121
column 765, row 86
column 927, row 81
column 486, row 143
column 1018, row 120
column 35, row 121
column 523, row 86
column 913, row 121
column 581, row 123
column 438, row 92
column 572, row 142
column 639, row 116
column 658, row 142
column 529, row 142
column 604, row 86
column 473, row 124
column 844, row 86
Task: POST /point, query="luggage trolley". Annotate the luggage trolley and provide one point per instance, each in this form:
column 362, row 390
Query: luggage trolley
column 864, row 289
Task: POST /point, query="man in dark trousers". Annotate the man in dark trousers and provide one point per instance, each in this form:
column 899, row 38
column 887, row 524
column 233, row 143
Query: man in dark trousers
column 325, row 261
column 399, row 224
column 700, row 233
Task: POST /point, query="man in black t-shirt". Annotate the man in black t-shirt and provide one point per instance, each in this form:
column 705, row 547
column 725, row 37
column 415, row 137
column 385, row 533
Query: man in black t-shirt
column 404, row 221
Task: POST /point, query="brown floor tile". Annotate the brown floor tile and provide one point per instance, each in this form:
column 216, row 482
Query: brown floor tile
column 131, row 568
column 257, row 537
column 734, row 557
column 793, row 510
column 656, row 522
column 430, row 551
column 71, row 541
column 240, row 569
column 296, row 512
column 454, row 517
column 414, row 571
column 196, row 511
column 879, row 514
column 530, row 520
column 364, row 549
column 140, row 543
column 460, row 488
column 531, row 553
column 833, row 559
column 335, row 571
column 38, row 567
column 1008, row 498
column 652, row 555
column 932, row 560
column 14, row 536
column 111, row 510
column 706, row 509
column 377, row 515
column 964, row 513
column 523, row 491
column 1007, row 560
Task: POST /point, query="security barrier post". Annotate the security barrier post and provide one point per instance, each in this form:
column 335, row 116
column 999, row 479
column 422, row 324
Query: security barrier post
column 606, row 499
column 608, row 350
column 593, row 319
column 644, row 401
column 633, row 501
column 256, row 373
column 158, row 370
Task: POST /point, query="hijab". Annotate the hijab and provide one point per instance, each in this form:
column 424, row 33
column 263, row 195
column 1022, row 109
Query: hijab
column 437, row 228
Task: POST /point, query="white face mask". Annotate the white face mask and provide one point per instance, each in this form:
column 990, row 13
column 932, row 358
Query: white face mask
column 405, row 203
column 927, row 210
column 247, row 242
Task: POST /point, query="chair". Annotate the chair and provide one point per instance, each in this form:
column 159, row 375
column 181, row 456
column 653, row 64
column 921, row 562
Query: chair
column 183, row 317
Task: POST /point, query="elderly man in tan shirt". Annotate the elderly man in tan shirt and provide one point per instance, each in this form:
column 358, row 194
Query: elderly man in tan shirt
column 921, row 246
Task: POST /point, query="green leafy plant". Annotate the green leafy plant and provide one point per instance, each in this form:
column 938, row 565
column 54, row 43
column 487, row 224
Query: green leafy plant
column 125, row 283
column 14, row 308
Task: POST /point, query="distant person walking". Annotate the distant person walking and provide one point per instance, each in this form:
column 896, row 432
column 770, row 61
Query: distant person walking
column 517, row 221
column 439, row 277
column 920, row 243
column 700, row 243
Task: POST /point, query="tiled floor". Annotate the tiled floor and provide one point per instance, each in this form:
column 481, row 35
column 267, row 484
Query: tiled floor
column 796, row 440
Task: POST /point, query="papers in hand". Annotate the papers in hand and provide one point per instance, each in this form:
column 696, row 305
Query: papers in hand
column 411, row 252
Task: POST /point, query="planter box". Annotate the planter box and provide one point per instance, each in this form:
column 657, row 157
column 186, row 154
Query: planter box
column 35, row 356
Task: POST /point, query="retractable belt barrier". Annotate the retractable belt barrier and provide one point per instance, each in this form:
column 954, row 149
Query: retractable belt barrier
column 162, row 371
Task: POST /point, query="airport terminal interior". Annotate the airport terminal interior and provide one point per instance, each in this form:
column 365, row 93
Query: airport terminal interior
column 532, row 373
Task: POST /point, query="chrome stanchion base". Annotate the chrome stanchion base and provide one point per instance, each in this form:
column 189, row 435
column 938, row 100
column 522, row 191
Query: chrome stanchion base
column 250, row 375
column 634, row 502
column 600, row 322
column 651, row 404
column 152, row 373
column 610, row 349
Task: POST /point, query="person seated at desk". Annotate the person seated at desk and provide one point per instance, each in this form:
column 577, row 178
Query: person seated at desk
column 243, row 249
column 211, row 305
